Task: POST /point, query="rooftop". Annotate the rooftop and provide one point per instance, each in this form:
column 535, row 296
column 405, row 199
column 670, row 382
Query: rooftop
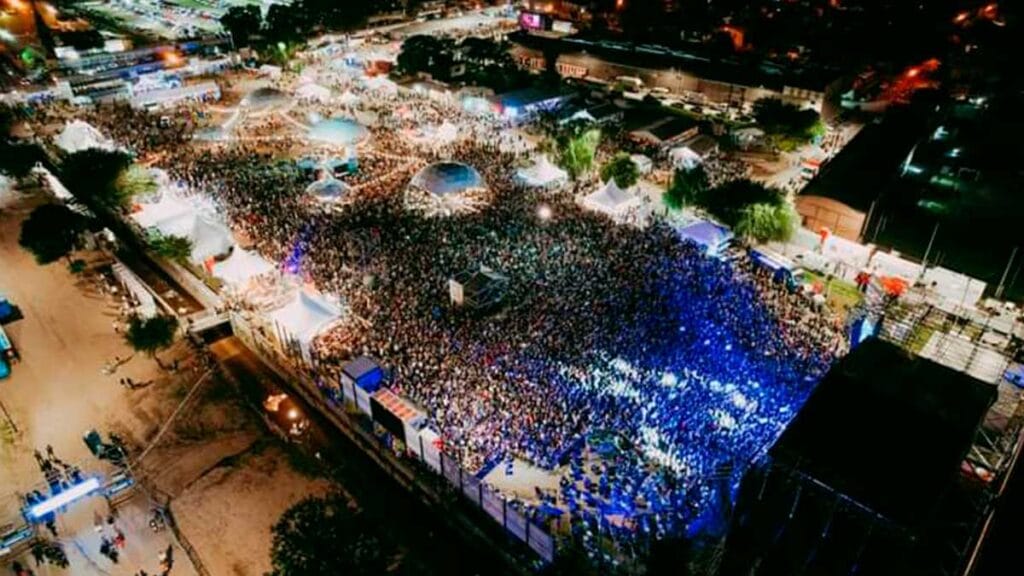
column 888, row 430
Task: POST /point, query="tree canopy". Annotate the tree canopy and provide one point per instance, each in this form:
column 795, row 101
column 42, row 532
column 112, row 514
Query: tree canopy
column 787, row 125
column 752, row 210
column 243, row 22
column 51, row 232
column 176, row 248
column 479, row 61
column 325, row 536
column 687, row 187
column 91, row 175
column 622, row 169
column 575, row 146
column 135, row 180
column 17, row 160
column 150, row 335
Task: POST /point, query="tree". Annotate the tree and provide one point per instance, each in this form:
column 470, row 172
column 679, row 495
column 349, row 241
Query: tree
column 150, row 335
column 727, row 202
column 135, row 180
column 622, row 169
column 243, row 22
column 51, row 232
column 787, row 125
column 17, row 160
column 325, row 536
column 427, row 54
column 687, row 188
column 576, row 147
column 91, row 175
column 176, row 248
column 768, row 222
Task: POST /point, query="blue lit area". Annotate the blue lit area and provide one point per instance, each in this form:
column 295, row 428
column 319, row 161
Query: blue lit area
column 86, row 487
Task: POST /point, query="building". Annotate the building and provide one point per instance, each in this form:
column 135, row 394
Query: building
column 871, row 477
column 667, row 131
column 730, row 82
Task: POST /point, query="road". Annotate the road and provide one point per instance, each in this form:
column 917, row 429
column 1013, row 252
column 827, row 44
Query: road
column 60, row 389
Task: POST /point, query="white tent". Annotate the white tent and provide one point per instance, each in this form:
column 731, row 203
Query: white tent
column 612, row 200
column 644, row 165
column 270, row 71
column 167, row 208
column 542, row 173
column 313, row 92
column 328, row 189
column 305, row 317
column 241, row 266
column 683, row 157
column 347, row 98
column 209, row 239
column 78, row 135
column 382, row 84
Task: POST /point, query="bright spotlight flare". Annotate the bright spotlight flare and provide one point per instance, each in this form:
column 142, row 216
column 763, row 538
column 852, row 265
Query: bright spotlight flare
column 80, row 490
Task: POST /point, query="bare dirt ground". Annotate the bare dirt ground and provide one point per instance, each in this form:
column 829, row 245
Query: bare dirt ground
column 228, row 513
column 216, row 458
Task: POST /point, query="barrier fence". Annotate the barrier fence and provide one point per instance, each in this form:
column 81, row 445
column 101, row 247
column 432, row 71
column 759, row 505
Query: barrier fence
column 488, row 499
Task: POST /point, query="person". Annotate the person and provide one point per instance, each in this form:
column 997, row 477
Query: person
column 37, row 553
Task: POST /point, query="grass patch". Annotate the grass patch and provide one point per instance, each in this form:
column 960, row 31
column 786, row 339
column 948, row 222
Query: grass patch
column 842, row 295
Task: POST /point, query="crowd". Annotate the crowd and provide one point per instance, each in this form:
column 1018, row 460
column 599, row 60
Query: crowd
column 695, row 363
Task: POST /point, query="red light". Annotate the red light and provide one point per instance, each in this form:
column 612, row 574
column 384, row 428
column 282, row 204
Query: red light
column 913, row 72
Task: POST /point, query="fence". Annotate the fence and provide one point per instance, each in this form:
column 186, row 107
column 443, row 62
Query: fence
column 489, row 500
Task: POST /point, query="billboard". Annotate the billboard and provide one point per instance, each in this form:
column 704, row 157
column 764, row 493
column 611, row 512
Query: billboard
column 531, row 21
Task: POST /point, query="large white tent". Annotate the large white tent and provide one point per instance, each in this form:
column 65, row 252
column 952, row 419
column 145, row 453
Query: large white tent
column 210, row 239
column 304, row 317
column 683, row 157
column 611, row 200
column 313, row 92
column 381, row 84
column 168, row 207
column 542, row 173
column 241, row 266
column 347, row 98
column 78, row 135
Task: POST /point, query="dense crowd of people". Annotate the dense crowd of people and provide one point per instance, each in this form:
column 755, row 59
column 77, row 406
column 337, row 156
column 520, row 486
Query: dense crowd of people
column 693, row 364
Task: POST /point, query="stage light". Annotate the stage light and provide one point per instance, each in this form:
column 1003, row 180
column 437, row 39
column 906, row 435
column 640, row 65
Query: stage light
column 80, row 490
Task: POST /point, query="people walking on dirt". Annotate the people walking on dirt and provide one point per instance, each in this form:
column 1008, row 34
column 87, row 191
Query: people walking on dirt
column 37, row 554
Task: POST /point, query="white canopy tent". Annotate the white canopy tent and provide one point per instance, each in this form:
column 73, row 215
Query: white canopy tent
column 644, row 164
column 313, row 92
column 78, row 135
column 381, row 84
column 241, row 266
column 612, row 201
column 347, row 98
column 304, row 317
column 168, row 207
column 683, row 157
column 210, row 239
column 542, row 173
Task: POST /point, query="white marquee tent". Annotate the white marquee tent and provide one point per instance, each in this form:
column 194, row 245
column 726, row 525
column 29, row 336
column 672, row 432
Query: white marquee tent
column 78, row 135
column 683, row 157
column 612, row 200
column 347, row 98
column 305, row 317
column 542, row 173
column 241, row 266
column 313, row 92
